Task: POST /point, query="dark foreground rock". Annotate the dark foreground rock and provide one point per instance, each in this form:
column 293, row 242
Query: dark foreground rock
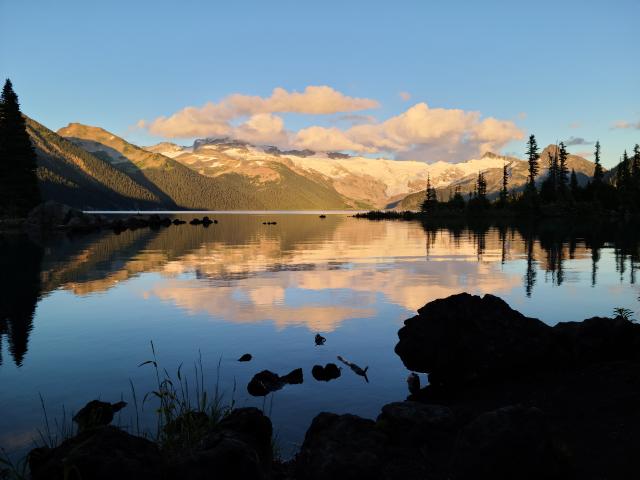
column 569, row 392
column 103, row 453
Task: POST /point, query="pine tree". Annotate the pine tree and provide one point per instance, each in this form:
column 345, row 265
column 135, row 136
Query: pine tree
column 504, row 192
column 635, row 166
column 597, row 171
column 533, row 156
column 19, row 191
column 563, row 168
column 481, row 188
column 623, row 175
column 430, row 199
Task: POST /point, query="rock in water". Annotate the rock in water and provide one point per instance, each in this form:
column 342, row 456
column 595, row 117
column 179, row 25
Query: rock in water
column 323, row 374
column 96, row 414
column 466, row 338
column 319, row 339
column 294, row 377
column 265, row 382
column 245, row 358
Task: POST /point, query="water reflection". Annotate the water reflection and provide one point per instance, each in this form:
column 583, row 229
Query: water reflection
column 242, row 272
column 87, row 306
column 20, row 261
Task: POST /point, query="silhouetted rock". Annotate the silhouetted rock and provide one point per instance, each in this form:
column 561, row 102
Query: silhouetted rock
column 102, row 453
column 511, row 442
column 294, row 377
column 466, row 338
column 323, row 374
column 195, row 221
column 341, row 447
column 265, row 382
column 238, row 447
column 596, row 339
column 206, row 221
column 323, row 216
column 177, row 221
column 417, row 423
column 245, row 358
column 319, row 339
column 97, row 414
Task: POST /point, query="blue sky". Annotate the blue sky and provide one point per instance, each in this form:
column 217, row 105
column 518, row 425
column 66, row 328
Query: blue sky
column 557, row 69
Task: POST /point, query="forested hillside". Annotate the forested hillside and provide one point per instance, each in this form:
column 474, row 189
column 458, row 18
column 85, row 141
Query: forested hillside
column 71, row 175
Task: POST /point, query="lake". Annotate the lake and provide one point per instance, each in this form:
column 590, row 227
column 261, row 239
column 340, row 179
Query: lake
column 78, row 313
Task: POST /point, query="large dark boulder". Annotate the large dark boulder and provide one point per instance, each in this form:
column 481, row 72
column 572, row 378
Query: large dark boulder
column 599, row 339
column 414, row 423
column 508, row 443
column 102, row 453
column 341, row 447
column 238, row 447
column 466, row 338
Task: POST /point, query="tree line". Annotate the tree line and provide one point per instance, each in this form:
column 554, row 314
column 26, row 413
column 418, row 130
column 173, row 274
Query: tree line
column 559, row 191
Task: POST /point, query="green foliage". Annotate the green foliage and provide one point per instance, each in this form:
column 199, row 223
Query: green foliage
column 71, row 175
column 624, row 313
column 186, row 410
column 19, row 191
column 532, row 156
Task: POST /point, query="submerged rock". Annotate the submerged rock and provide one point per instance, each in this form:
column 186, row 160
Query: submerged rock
column 245, row 358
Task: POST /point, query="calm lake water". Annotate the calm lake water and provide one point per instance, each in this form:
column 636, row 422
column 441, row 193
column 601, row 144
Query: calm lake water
column 77, row 314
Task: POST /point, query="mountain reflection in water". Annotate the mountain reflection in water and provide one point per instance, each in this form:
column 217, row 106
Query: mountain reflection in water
column 91, row 303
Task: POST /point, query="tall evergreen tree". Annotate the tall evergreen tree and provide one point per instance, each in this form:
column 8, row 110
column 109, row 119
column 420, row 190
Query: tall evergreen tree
column 481, row 188
column 504, row 192
column 597, row 171
column 623, row 175
column 635, row 166
column 19, row 191
column 563, row 168
column 533, row 156
column 430, row 199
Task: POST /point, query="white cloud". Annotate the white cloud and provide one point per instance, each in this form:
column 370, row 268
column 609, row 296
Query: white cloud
column 420, row 132
column 213, row 118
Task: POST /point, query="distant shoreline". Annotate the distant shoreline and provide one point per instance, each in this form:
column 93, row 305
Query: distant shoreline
column 225, row 212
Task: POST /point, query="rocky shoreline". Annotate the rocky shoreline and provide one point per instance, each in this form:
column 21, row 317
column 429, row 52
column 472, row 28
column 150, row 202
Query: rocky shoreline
column 508, row 397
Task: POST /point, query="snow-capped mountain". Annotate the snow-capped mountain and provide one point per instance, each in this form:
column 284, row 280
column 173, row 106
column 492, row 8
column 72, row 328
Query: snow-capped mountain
column 374, row 182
